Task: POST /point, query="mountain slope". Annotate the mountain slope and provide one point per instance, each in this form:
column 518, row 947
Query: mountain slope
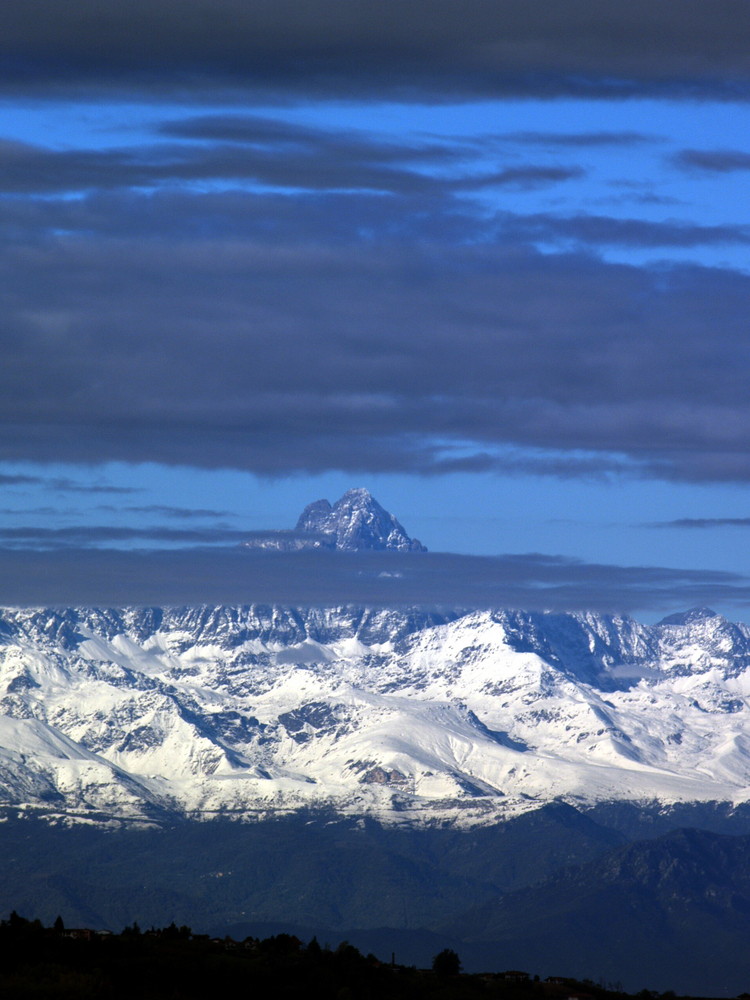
column 311, row 869
column 673, row 911
column 138, row 714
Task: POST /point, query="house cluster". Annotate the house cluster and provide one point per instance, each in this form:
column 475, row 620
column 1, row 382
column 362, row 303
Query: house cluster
column 559, row 987
column 84, row 933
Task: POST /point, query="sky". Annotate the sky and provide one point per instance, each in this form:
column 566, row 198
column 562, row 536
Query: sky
column 488, row 259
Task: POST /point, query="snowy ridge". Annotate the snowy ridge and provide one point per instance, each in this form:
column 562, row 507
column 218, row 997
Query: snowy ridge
column 136, row 714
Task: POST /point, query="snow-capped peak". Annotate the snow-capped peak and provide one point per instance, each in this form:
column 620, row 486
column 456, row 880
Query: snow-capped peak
column 355, row 522
column 691, row 617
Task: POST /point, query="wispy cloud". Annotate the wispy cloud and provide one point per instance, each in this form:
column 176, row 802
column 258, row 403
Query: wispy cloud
column 704, row 522
column 713, row 161
column 59, row 484
column 77, row 536
column 8, row 479
column 583, row 140
column 66, row 485
column 254, row 151
column 179, row 513
column 601, row 230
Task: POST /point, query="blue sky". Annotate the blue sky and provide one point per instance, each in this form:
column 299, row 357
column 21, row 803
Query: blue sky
column 493, row 267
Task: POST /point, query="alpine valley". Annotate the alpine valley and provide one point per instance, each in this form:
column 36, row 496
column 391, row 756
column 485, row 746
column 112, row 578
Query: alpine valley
column 564, row 791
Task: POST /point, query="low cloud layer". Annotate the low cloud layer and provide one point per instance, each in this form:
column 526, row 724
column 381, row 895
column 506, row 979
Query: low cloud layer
column 24, row 537
column 532, row 582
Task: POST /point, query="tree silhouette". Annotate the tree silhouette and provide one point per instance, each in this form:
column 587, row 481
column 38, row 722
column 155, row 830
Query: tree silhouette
column 446, row 963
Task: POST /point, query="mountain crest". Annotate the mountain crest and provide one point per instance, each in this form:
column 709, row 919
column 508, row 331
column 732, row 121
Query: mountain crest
column 693, row 616
column 356, row 522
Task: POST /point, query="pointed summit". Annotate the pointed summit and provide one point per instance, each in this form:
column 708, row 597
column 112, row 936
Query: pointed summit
column 356, row 522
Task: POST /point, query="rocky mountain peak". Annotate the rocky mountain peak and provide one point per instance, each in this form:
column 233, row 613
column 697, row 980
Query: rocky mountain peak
column 692, row 617
column 356, row 522
column 314, row 515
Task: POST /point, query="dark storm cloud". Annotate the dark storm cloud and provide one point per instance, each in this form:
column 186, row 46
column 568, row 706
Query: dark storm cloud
column 533, row 582
column 712, row 161
column 381, row 48
column 397, row 328
column 365, row 333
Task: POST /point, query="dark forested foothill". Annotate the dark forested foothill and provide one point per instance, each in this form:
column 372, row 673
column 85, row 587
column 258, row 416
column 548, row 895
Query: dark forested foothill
column 172, row 962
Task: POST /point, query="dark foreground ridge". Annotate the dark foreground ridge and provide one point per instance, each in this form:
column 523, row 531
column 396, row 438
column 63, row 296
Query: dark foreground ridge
column 60, row 962
column 624, row 895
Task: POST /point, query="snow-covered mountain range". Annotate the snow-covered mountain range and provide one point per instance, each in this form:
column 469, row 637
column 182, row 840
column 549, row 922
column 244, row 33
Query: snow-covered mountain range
column 403, row 715
column 355, row 523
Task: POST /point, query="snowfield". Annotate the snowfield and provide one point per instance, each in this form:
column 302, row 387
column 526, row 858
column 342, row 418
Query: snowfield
column 135, row 715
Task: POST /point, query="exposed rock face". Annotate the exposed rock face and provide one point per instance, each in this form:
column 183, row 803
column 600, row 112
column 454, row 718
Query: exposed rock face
column 315, row 516
column 356, row 522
